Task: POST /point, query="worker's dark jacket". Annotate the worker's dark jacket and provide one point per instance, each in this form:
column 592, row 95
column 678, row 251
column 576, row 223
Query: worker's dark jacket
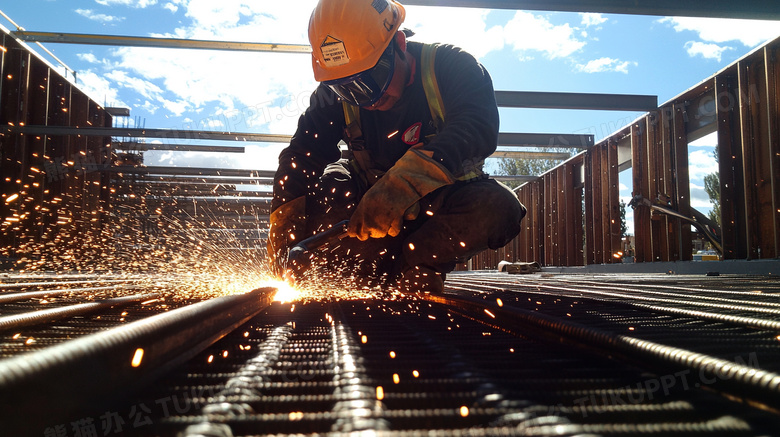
column 470, row 133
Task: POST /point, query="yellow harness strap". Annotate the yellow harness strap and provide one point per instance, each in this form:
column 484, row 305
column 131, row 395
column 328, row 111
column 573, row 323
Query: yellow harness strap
column 431, row 86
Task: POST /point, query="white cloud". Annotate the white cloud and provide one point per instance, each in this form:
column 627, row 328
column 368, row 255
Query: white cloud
column 699, row 197
column 131, row 3
column 216, row 123
column 235, row 81
column 591, row 19
column 92, row 15
column 749, row 32
column 88, row 57
column 171, row 7
column 98, row 88
column 147, row 89
column 605, row 64
column 462, row 27
column 706, row 50
column 150, row 107
column 529, row 32
column 177, row 108
column 700, row 164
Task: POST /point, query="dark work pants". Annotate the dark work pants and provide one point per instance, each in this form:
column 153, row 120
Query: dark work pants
column 454, row 223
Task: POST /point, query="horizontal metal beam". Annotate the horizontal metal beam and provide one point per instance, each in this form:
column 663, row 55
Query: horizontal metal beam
column 141, row 147
column 575, row 141
column 192, row 171
column 752, row 9
column 515, row 178
column 147, row 133
column 550, row 100
column 511, row 154
column 118, row 112
column 171, row 43
column 177, row 202
column 203, row 180
column 504, row 139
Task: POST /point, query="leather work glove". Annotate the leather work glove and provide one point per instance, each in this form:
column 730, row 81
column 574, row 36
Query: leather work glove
column 287, row 225
column 381, row 210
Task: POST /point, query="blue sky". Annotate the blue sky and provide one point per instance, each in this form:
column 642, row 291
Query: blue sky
column 264, row 92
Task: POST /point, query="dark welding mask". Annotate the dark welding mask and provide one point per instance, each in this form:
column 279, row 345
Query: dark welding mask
column 365, row 88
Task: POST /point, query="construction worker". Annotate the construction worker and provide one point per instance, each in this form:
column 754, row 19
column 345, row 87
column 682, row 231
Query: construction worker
column 417, row 128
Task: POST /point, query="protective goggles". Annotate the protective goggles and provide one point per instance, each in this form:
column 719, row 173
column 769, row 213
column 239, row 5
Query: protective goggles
column 366, row 87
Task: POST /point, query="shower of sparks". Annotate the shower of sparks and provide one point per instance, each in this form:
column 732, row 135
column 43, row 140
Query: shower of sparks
column 155, row 237
column 197, row 239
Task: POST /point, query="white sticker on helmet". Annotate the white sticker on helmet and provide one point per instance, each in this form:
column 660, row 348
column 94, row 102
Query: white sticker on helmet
column 333, row 52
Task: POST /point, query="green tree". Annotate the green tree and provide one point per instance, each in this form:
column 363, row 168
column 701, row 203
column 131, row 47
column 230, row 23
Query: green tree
column 623, row 225
column 712, row 187
column 527, row 167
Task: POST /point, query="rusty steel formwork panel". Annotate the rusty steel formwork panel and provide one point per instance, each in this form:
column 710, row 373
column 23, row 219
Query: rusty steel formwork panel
column 748, row 129
column 641, row 182
column 771, row 57
column 741, row 104
column 530, row 240
column 730, row 170
column 553, row 230
column 53, row 189
column 663, row 176
column 757, row 156
column 602, row 215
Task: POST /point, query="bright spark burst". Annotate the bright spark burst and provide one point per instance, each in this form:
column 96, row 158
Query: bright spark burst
column 176, row 249
column 285, row 292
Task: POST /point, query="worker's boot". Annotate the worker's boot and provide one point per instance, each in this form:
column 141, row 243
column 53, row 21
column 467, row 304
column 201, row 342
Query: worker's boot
column 421, row 279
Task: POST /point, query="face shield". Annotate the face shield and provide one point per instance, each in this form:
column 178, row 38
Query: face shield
column 366, row 87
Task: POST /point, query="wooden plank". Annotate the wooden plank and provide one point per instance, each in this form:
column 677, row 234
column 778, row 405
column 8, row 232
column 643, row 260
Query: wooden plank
column 642, row 239
column 665, row 185
column 730, row 168
column 521, row 241
column 590, row 217
column 572, row 222
column 560, row 217
column 613, row 194
column 598, row 203
column 756, row 166
column 537, row 200
column 604, row 204
column 771, row 55
column 757, row 95
column 654, row 174
column 549, row 208
column 682, row 181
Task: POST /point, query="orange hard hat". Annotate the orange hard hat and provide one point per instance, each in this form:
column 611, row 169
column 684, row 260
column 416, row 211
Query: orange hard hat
column 349, row 36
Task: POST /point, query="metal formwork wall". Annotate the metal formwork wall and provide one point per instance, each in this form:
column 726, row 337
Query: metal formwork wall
column 741, row 104
column 659, row 147
column 53, row 189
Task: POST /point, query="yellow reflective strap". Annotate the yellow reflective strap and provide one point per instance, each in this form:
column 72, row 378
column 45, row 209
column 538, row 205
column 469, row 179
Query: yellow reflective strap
column 351, row 113
column 476, row 173
column 430, row 85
